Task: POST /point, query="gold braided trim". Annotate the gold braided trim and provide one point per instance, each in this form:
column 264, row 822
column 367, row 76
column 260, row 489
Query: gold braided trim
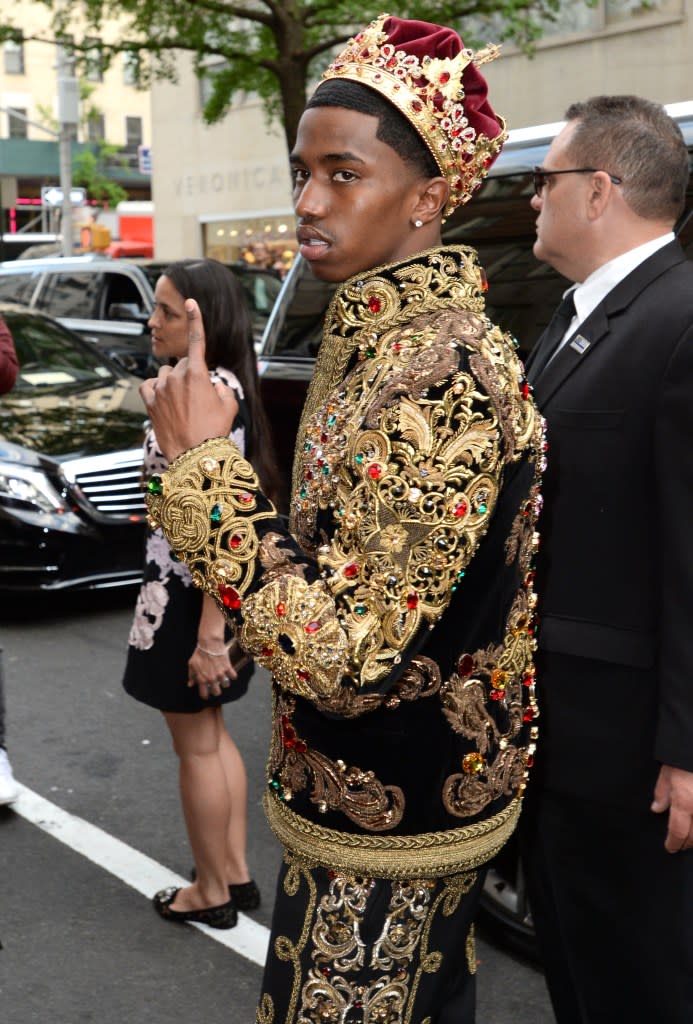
column 430, row 855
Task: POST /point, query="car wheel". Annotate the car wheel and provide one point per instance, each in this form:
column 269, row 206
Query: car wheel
column 505, row 913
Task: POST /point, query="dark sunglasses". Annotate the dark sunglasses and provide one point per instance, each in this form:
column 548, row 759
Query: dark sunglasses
column 540, row 176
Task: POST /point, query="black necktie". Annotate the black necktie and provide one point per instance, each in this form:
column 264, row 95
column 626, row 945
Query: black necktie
column 552, row 336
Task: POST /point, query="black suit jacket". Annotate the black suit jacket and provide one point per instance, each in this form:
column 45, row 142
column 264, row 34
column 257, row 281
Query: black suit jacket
column 616, row 562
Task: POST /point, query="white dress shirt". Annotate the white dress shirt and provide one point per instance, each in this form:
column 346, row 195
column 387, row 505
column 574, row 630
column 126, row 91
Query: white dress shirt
column 601, row 281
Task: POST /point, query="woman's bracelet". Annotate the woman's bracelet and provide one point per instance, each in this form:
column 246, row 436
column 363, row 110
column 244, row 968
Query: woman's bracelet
column 212, row 654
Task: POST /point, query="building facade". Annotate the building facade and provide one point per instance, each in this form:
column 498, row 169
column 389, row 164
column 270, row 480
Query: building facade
column 115, row 111
column 224, row 190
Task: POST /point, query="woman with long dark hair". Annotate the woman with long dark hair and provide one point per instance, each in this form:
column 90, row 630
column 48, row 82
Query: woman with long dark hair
column 178, row 658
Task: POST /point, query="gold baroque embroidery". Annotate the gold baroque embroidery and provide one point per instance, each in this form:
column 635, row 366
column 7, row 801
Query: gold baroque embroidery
column 335, row 786
column 417, row 496
column 468, row 793
column 503, row 674
column 384, row 995
column 439, row 278
column 518, row 544
column 470, row 951
column 291, row 628
column 453, row 890
column 206, row 504
column 431, row 854
column 274, row 560
column 497, row 367
column 413, row 492
column 420, row 680
column 425, row 367
column 284, row 948
column 265, row 1011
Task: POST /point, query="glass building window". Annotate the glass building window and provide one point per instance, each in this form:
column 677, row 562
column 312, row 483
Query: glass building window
column 96, row 128
column 93, row 61
column 131, row 69
column 133, row 132
column 14, row 57
column 16, row 123
column 66, row 56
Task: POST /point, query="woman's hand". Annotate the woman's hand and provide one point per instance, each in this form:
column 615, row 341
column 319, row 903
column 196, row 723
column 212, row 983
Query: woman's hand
column 185, row 407
column 210, row 670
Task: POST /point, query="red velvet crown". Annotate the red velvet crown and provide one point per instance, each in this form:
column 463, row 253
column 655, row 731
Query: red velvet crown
column 427, row 73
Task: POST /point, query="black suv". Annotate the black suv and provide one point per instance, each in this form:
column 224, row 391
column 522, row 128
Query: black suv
column 108, row 301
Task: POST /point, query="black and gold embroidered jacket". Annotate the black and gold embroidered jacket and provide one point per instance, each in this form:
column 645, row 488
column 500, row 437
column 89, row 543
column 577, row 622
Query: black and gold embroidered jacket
column 396, row 615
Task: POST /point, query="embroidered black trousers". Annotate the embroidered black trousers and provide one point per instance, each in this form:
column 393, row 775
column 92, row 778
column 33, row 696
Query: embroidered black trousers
column 364, row 950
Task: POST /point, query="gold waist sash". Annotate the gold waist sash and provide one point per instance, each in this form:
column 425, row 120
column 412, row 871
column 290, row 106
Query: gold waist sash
column 429, row 855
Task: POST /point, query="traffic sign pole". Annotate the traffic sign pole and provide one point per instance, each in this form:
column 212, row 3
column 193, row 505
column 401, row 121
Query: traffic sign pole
column 68, row 107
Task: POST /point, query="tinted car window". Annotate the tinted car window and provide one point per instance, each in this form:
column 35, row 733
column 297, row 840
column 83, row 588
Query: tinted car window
column 302, row 329
column 119, row 289
column 260, row 289
column 71, row 294
column 17, row 287
column 48, row 355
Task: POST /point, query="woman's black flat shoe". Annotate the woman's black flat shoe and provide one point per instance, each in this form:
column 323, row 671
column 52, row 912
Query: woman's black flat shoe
column 223, row 916
column 245, row 895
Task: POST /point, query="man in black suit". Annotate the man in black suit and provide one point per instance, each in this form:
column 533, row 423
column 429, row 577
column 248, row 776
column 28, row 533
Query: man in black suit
column 608, row 835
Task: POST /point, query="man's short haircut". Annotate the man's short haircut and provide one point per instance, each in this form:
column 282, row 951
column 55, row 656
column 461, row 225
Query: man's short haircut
column 393, row 128
column 637, row 140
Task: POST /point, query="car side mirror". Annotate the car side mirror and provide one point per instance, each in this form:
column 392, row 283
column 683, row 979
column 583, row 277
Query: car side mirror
column 127, row 311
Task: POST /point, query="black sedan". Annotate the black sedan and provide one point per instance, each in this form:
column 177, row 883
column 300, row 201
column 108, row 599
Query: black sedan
column 71, row 504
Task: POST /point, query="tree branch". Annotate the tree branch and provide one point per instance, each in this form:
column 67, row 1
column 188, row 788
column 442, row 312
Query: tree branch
column 233, row 11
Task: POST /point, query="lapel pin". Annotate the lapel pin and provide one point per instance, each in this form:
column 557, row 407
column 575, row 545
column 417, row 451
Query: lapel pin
column 580, row 344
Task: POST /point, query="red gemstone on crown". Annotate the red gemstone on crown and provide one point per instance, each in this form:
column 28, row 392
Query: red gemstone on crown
column 281, row 609
column 235, row 541
column 374, row 304
column 375, row 471
column 412, row 601
column 351, row 570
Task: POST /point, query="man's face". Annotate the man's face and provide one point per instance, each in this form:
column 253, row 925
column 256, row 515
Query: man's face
column 354, row 196
column 561, row 209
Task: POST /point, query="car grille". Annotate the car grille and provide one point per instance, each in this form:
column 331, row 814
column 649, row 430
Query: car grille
column 111, row 483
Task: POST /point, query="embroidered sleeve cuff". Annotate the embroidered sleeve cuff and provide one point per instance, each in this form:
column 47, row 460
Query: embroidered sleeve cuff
column 207, row 504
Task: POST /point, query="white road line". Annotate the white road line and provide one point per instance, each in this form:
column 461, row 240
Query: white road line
column 249, row 939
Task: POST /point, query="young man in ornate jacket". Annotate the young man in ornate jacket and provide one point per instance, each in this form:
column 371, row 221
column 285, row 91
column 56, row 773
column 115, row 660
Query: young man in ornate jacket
column 395, row 616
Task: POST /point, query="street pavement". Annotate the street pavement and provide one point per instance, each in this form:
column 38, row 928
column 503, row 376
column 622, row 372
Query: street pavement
column 98, row 829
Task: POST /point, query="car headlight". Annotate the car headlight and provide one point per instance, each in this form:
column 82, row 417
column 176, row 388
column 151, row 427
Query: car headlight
column 29, row 490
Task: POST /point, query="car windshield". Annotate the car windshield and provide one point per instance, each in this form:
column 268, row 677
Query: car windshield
column 51, row 356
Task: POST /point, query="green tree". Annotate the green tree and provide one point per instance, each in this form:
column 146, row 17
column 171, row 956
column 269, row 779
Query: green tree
column 89, row 171
column 89, row 167
column 274, row 48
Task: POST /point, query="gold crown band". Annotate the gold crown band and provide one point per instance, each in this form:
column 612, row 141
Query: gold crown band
column 429, row 855
column 430, row 96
